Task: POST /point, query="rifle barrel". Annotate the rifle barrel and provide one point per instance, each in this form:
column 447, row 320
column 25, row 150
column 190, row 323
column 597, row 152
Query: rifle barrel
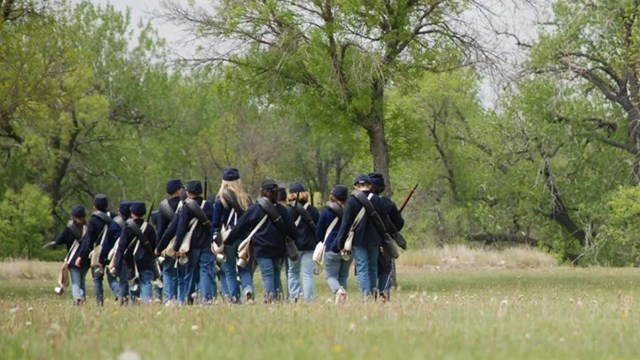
column 407, row 198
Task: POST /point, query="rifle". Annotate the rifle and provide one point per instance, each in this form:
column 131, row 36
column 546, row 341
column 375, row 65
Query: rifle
column 407, row 198
column 206, row 185
column 153, row 202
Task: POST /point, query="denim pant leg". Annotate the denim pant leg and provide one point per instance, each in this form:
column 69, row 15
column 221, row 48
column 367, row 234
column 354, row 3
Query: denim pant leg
column 372, row 258
column 169, row 278
column 230, row 273
column 268, row 271
column 186, row 275
column 293, row 278
column 343, row 273
column 123, row 283
column 207, row 285
column 146, row 290
column 277, row 282
column 97, row 286
column 246, row 278
column 361, row 257
column 77, row 276
column 307, row 265
column 114, row 285
column 332, row 267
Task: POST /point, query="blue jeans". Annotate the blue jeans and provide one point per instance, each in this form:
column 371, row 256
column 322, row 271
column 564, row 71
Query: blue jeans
column 98, row 288
column 123, row 283
column 230, row 272
column 146, row 290
column 78, row 276
column 306, row 264
column 200, row 261
column 224, row 289
column 270, row 269
column 367, row 268
column 385, row 277
column 337, row 270
column 169, row 279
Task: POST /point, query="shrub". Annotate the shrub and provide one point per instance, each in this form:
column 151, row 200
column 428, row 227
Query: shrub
column 25, row 216
column 616, row 243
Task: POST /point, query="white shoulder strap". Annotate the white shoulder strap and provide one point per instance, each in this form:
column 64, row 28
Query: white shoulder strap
column 255, row 229
column 330, row 228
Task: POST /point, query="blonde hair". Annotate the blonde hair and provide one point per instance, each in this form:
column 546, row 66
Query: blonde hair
column 238, row 189
column 301, row 197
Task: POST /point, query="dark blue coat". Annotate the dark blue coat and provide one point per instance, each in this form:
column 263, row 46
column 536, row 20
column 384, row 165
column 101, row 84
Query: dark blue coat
column 366, row 234
column 202, row 235
column 307, row 239
column 268, row 241
column 326, row 218
column 143, row 259
column 113, row 234
column 392, row 210
column 66, row 237
column 221, row 215
column 163, row 222
column 89, row 240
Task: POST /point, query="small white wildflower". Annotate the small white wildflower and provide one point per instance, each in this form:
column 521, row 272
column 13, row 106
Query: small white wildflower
column 129, row 355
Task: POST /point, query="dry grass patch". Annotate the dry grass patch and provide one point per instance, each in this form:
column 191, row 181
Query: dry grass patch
column 460, row 257
column 20, row 269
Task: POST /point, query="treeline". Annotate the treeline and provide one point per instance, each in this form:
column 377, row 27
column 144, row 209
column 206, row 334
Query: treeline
column 317, row 92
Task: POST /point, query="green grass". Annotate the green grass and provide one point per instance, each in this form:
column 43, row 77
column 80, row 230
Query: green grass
column 553, row 313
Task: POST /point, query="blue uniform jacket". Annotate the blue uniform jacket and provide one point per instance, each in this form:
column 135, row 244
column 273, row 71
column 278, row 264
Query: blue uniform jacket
column 89, row 240
column 113, row 234
column 366, row 234
column 392, row 210
column 221, row 215
column 326, row 218
column 202, row 235
column 307, row 239
column 163, row 222
column 143, row 259
column 268, row 241
column 66, row 237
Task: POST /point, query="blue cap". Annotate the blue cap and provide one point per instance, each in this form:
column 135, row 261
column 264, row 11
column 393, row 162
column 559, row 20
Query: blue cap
column 340, row 192
column 377, row 179
column 230, row 174
column 100, row 201
column 194, row 187
column 138, row 208
column 296, row 187
column 173, row 185
column 78, row 211
column 269, row 185
column 123, row 208
column 362, row 179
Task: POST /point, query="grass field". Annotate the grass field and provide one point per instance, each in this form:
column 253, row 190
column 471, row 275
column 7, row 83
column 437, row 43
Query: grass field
column 490, row 312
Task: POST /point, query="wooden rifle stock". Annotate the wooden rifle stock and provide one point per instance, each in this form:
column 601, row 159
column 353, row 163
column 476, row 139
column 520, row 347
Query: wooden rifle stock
column 407, row 198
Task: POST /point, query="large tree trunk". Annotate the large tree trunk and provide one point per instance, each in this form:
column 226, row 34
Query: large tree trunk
column 374, row 124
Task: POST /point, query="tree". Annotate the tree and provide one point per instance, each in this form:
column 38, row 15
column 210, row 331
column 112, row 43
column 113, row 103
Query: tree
column 342, row 54
column 594, row 47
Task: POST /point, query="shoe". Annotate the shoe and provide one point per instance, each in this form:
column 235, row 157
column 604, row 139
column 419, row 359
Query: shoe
column 249, row 298
column 59, row 290
column 341, row 296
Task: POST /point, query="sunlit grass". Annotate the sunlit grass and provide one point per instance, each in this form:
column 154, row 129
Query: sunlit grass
column 492, row 313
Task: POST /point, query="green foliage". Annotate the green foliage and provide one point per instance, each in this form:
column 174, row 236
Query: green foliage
column 618, row 239
column 25, row 217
